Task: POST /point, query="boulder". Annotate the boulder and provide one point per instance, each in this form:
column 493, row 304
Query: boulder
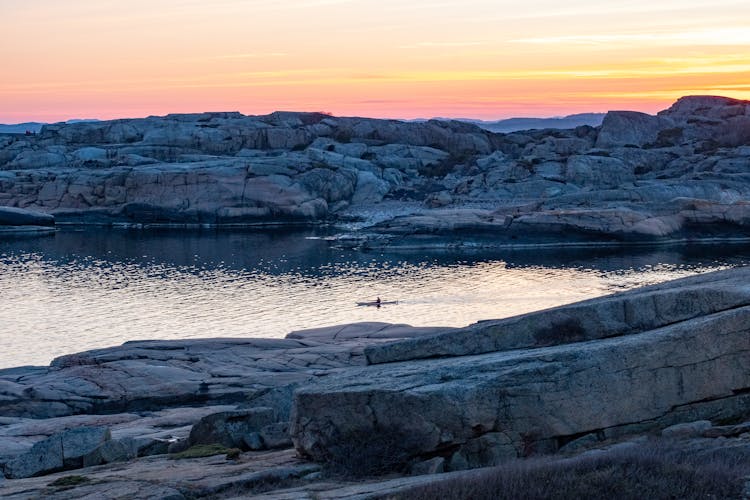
column 598, row 172
column 66, row 450
column 276, row 436
column 630, row 128
column 107, row 452
column 230, row 428
column 90, row 154
column 369, row 188
column 687, row 429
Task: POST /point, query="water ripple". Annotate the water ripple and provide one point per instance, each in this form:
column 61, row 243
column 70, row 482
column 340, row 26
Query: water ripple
column 85, row 290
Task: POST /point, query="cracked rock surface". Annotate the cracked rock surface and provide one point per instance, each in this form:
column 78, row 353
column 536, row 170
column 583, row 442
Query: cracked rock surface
column 626, row 363
column 682, row 174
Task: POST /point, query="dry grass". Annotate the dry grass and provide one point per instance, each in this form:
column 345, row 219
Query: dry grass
column 67, row 482
column 206, row 450
column 369, row 453
column 657, row 469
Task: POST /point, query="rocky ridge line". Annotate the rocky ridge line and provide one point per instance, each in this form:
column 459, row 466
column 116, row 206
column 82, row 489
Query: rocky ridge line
column 682, row 174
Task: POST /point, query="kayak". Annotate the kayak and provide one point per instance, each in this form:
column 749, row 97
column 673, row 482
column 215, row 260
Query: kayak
column 374, row 303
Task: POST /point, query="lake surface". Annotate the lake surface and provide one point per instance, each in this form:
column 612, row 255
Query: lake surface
column 84, row 289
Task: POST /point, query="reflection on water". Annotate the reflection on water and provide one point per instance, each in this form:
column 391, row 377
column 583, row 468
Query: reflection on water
column 85, row 289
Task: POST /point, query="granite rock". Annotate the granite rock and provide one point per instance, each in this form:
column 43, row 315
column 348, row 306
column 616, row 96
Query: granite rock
column 648, row 359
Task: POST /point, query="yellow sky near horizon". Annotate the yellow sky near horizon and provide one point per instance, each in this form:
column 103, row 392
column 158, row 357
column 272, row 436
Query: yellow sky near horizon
column 385, row 58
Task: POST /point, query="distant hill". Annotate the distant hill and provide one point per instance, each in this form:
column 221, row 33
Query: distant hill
column 21, row 128
column 564, row 122
column 504, row 126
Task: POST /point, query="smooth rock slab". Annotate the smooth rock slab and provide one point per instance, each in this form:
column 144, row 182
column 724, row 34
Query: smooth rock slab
column 10, row 216
column 538, row 398
column 613, row 315
column 156, row 375
column 230, row 428
column 162, row 477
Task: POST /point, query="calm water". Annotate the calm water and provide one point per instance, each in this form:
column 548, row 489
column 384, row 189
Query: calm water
column 80, row 290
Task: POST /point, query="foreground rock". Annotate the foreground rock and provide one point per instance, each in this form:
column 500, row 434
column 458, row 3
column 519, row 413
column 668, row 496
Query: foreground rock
column 371, row 397
column 680, row 175
column 156, row 397
column 65, row 450
column 283, row 476
column 162, row 477
column 614, row 366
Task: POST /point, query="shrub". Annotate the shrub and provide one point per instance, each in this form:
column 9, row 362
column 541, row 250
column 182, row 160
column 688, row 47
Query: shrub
column 69, row 481
column 203, row 450
column 447, row 165
column 668, row 137
column 659, row 469
column 368, row 452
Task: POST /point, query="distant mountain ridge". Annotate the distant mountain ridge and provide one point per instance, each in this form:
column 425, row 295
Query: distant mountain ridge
column 22, row 128
column 502, row 126
column 516, row 124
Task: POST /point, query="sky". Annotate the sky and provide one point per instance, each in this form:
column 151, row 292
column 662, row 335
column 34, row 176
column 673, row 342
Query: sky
column 489, row 59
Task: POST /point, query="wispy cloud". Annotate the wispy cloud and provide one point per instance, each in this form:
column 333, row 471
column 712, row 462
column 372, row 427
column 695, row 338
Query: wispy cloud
column 720, row 36
column 252, row 55
column 464, row 43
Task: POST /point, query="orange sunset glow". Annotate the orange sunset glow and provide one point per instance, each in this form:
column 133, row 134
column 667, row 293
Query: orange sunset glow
column 386, row 58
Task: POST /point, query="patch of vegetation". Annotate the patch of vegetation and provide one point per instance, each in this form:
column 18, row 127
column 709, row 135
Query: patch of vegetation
column 668, row 138
column 69, row 481
column 443, row 167
column 658, row 469
column 204, row 450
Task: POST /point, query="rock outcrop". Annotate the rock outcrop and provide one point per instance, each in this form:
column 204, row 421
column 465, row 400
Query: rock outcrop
column 627, row 363
column 681, row 174
column 69, row 449
column 154, row 397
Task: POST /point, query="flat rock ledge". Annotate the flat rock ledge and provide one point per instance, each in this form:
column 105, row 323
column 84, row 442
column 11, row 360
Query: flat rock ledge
column 157, row 397
column 624, row 364
column 22, row 222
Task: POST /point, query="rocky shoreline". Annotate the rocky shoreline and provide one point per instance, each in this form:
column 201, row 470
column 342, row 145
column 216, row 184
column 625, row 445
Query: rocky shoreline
column 681, row 175
column 374, row 410
column 276, row 413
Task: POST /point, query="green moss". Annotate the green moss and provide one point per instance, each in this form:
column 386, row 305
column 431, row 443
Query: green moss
column 69, row 481
column 204, row 450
